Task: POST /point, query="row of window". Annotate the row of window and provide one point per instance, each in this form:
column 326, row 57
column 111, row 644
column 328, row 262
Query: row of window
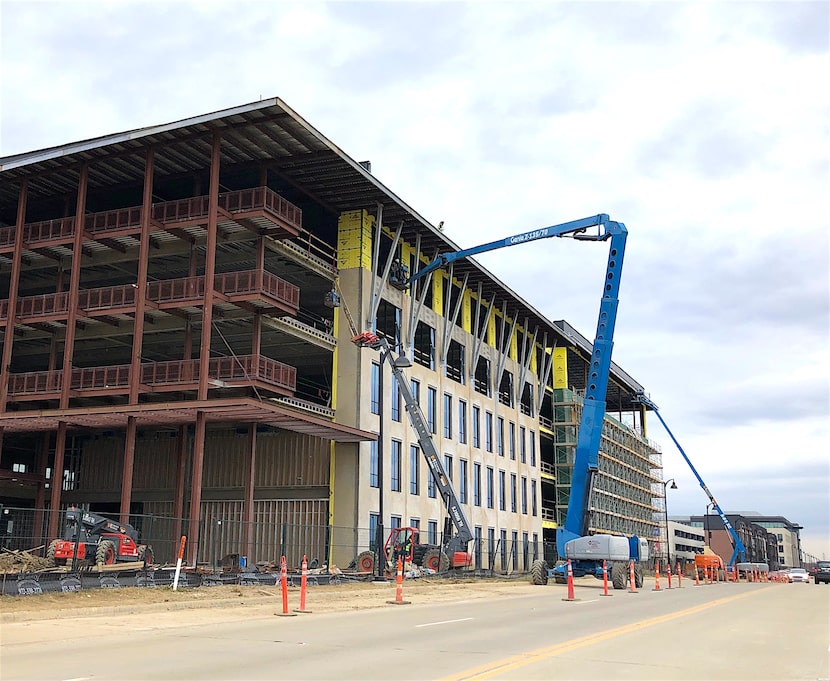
column 388, row 324
column 459, row 426
column 518, row 488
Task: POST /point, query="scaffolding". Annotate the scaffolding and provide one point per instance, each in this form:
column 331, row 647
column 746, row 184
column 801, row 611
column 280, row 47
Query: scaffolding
column 623, row 500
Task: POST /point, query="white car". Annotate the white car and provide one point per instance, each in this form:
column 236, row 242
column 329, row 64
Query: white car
column 799, row 575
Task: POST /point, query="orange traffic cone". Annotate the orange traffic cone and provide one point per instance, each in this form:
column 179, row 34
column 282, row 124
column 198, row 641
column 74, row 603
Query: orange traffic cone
column 399, row 588
column 633, row 582
column 656, row 577
column 571, row 596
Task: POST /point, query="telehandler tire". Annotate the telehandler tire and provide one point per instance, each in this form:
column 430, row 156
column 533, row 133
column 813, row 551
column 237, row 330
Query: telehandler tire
column 50, row 553
column 105, row 553
column 436, row 560
column 366, row 562
column 539, row 573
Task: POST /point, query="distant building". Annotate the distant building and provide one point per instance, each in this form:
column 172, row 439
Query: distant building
column 768, row 539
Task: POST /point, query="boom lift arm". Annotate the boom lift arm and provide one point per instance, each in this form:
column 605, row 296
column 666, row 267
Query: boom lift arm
column 593, row 411
column 576, row 229
column 739, row 552
column 464, row 534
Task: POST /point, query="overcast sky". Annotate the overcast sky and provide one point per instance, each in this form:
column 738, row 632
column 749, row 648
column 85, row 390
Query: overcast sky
column 701, row 126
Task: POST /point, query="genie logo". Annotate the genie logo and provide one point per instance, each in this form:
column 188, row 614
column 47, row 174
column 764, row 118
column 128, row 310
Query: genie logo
column 528, row 236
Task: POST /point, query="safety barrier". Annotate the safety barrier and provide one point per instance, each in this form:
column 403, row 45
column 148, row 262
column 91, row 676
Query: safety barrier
column 571, row 594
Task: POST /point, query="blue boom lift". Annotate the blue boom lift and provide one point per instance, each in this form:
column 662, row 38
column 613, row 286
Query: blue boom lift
column 739, row 550
column 587, row 553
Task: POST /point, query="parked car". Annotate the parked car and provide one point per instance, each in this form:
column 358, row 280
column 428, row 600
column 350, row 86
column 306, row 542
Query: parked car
column 799, row 575
column 821, row 572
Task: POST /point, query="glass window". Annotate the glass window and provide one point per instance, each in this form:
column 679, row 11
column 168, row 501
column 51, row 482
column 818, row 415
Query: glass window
column 502, row 491
column 524, row 495
column 533, row 497
column 414, row 469
column 415, row 389
column 396, row 400
column 503, row 548
column 448, row 466
column 447, row 415
column 476, row 424
column 513, row 492
column 395, row 459
column 478, row 547
column 500, row 436
column 488, row 431
column 511, row 441
column 373, row 464
column 522, row 445
column 477, row 484
column 432, row 531
column 532, row 448
column 432, row 396
column 430, row 484
column 373, row 531
column 490, row 501
column 375, row 391
column 462, row 481
column 491, row 545
column 462, row 422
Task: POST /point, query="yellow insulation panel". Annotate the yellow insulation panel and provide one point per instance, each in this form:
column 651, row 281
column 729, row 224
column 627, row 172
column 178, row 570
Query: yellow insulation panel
column 354, row 240
column 560, row 367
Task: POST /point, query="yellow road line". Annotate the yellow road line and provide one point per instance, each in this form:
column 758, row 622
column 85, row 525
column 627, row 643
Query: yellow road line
column 487, row 671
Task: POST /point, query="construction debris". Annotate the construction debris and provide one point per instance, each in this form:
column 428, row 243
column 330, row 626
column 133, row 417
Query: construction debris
column 17, row 561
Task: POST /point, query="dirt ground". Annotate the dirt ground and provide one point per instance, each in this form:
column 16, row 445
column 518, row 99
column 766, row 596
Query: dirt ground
column 343, row 597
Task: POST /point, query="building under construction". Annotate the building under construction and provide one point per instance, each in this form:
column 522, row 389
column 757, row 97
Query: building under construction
column 176, row 307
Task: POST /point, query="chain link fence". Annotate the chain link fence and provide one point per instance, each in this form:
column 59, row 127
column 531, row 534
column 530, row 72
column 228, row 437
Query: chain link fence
column 224, row 541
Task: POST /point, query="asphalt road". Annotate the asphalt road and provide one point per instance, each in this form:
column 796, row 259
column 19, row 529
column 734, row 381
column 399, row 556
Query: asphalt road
column 721, row 631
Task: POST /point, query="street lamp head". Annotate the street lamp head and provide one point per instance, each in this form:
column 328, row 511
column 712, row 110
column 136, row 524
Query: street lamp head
column 673, row 485
column 402, row 362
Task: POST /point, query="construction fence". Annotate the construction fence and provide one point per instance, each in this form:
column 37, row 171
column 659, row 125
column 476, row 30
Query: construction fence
column 263, row 542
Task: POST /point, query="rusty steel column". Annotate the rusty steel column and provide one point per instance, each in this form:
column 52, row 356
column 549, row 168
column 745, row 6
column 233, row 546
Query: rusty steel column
column 141, row 279
column 127, row 473
column 57, row 481
column 210, row 267
column 41, row 465
column 248, row 493
column 14, row 285
column 196, row 488
column 188, row 325
column 178, row 490
column 204, row 349
column 74, row 283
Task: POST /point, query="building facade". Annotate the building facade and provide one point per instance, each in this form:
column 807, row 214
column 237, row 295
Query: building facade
column 176, row 308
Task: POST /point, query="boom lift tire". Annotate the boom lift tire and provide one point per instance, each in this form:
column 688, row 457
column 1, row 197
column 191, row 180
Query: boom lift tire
column 618, row 575
column 638, row 576
column 436, row 560
column 105, row 553
column 539, row 573
column 366, row 561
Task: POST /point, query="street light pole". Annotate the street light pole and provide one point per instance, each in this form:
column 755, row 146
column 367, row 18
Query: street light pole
column 666, row 512
column 381, row 558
